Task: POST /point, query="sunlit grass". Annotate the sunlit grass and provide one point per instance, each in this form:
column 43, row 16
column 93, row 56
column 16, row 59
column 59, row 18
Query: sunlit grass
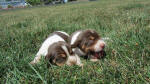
column 126, row 23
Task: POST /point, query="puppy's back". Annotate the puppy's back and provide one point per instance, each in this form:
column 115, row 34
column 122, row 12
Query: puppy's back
column 62, row 34
column 52, row 38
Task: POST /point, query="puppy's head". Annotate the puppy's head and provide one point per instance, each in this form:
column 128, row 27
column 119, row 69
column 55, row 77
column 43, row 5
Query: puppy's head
column 59, row 54
column 90, row 41
column 59, row 59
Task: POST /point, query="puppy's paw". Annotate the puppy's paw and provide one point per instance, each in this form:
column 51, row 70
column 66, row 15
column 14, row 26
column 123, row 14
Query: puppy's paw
column 32, row 63
column 81, row 65
column 94, row 60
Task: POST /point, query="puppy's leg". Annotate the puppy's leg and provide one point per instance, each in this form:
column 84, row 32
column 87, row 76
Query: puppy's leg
column 41, row 52
column 78, row 61
column 36, row 59
column 71, row 60
column 94, row 60
column 74, row 60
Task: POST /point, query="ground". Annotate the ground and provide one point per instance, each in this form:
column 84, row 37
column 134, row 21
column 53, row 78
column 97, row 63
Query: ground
column 126, row 23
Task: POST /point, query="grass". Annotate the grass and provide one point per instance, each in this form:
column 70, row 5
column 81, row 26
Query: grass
column 127, row 23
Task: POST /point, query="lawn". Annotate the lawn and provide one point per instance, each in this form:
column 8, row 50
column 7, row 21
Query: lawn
column 125, row 22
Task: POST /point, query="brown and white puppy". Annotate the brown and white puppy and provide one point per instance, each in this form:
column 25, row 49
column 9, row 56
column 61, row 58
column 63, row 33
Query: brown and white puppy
column 57, row 51
column 87, row 43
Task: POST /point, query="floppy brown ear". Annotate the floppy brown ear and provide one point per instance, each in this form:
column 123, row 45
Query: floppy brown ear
column 47, row 58
column 50, row 58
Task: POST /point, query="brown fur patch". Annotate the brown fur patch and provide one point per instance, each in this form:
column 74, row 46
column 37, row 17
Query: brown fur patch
column 56, row 55
column 86, row 40
column 65, row 37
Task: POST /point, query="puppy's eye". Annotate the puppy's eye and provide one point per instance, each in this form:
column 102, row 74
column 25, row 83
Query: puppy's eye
column 92, row 38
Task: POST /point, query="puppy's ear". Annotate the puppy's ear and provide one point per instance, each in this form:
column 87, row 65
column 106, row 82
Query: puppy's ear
column 63, row 55
column 50, row 57
column 47, row 58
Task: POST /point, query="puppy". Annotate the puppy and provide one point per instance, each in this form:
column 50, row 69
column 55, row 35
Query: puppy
column 56, row 50
column 87, row 43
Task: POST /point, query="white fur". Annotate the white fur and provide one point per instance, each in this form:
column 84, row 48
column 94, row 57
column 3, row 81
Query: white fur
column 44, row 48
column 63, row 33
column 78, row 61
column 71, row 59
column 75, row 58
column 97, row 47
column 75, row 36
column 66, row 50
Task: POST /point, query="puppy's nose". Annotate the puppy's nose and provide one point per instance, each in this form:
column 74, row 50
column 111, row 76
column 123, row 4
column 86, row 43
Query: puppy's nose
column 102, row 45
